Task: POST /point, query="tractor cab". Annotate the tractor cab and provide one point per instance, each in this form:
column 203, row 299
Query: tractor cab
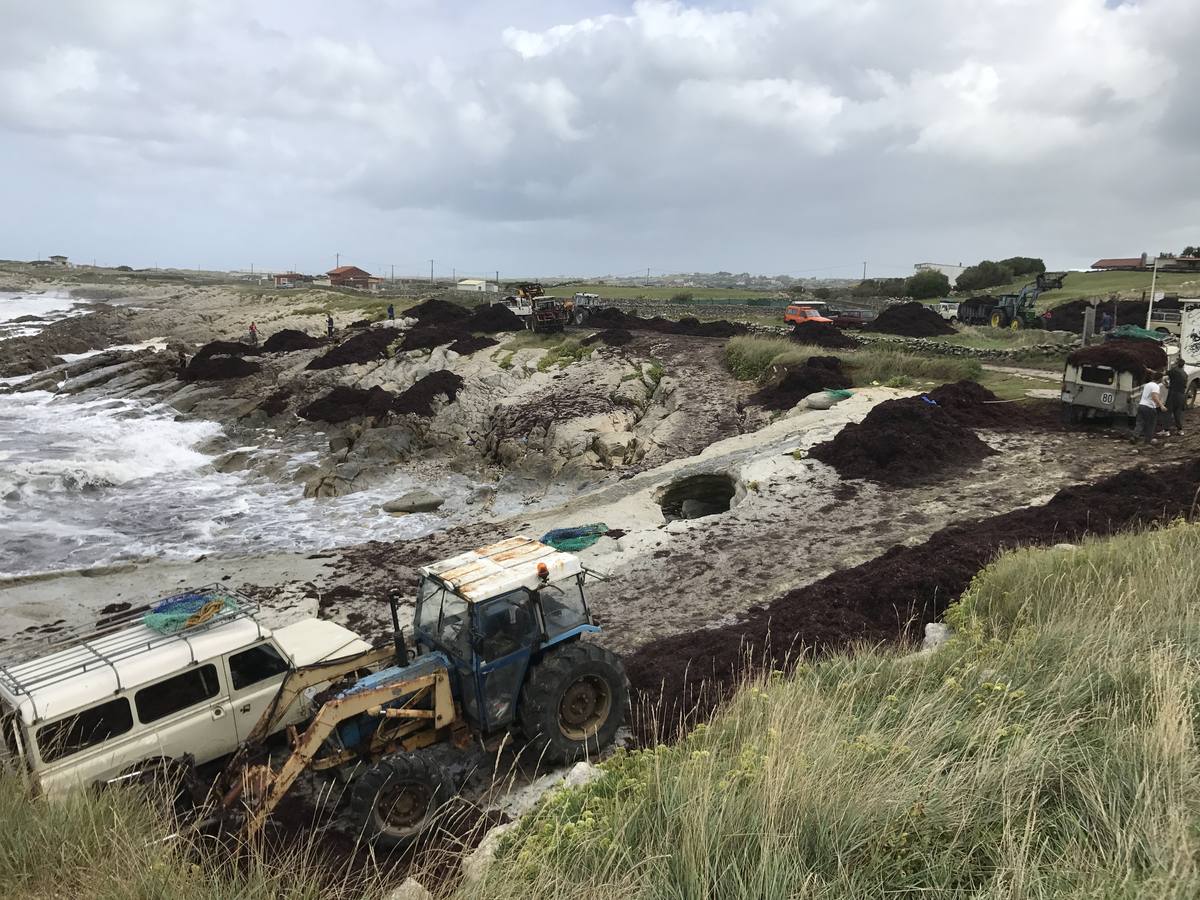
column 493, row 613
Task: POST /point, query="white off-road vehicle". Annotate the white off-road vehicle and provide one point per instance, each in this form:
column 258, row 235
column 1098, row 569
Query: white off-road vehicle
column 115, row 703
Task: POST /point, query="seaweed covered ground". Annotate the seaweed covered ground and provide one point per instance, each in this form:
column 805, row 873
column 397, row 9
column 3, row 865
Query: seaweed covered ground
column 680, row 679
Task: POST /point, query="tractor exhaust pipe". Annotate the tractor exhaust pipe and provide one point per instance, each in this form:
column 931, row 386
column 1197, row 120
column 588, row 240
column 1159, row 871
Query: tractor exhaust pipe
column 397, row 634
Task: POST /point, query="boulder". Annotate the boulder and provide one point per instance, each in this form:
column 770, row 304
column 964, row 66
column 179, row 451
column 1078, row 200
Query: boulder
column 419, row 500
column 613, row 447
column 936, row 634
column 411, row 889
column 820, row 400
column 476, row 864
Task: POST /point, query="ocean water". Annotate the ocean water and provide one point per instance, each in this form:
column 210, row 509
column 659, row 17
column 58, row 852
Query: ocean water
column 92, row 482
column 85, row 483
column 50, row 306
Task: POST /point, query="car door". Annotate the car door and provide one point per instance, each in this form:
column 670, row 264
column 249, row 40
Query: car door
column 255, row 675
column 187, row 713
column 506, row 632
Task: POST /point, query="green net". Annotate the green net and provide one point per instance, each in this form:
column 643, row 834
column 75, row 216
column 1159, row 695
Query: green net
column 839, row 393
column 570, row 540
column 182, row 611
column 1133, row 332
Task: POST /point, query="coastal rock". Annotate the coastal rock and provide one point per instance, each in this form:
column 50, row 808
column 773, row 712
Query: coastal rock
column 410, row 889
column 339, row 479
column 419, row 500
column 476, row 864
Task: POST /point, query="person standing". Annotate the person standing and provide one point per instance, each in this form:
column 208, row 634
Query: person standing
column 1148, row 409
column 328, row 325
column 1106, row 321
column 1176, row 395
column 391, row 313
column 253, row 335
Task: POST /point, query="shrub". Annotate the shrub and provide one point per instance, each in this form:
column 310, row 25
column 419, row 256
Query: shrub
column 1024, row 265
column 985, row 275
column 683, row 297
column 927, row 285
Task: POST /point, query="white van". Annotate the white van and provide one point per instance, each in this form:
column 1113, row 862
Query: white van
column 110, row 702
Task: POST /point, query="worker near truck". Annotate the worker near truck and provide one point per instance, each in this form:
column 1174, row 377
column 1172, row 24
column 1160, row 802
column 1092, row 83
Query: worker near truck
column 1176, row 395
column 1148, row 409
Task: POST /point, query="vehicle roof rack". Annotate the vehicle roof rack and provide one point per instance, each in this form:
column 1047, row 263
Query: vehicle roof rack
column 100, row 653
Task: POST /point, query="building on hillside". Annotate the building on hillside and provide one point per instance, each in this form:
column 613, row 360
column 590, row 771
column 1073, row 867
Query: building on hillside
column 291, row 279
column 1126, row 264
column 59, row 260
column 1179, row 264
column 951, row 272
column 351, row 277
column 477, row 286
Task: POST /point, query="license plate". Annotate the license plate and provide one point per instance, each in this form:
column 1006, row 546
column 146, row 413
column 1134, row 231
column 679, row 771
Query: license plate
column 1106, row 399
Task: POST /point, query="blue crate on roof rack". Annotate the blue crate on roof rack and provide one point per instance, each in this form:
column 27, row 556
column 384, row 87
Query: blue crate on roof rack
column 191, row 609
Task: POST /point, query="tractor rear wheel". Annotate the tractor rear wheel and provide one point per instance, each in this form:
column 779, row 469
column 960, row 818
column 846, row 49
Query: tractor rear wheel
column 998, row 319
column 397, row 798
column 573, row 702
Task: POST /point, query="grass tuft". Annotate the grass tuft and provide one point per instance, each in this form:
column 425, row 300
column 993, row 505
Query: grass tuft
column 749, row 358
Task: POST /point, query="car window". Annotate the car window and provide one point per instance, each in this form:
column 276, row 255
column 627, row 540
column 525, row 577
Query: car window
column 255, row 665
column 452, row 626
column 563, row 608
column 505, row 625
column 183, row 690
column 86, row 729
column 429, row 605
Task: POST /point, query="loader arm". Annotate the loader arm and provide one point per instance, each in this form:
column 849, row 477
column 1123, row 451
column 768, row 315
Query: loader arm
column 352, row 703
column 300, row 680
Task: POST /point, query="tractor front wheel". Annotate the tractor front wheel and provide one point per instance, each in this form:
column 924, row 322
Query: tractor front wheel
column 573, row 702
column 397, row 798
column 1016, row 325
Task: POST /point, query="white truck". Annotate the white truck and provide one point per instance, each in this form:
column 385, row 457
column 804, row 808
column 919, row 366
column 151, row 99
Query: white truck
column 115, row 703
column 1101, row 391
column 948, row 310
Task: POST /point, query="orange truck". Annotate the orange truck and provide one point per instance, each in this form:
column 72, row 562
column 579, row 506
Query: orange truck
column 798, row 312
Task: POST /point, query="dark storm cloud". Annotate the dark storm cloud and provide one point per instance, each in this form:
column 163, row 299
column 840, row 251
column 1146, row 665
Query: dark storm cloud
column 772, row 135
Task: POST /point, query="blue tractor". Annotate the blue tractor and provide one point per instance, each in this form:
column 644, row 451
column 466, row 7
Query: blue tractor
column 498, row 635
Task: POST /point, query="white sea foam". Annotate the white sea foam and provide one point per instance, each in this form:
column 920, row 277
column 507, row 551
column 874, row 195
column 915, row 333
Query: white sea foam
column 49, row 306
column 90, row 483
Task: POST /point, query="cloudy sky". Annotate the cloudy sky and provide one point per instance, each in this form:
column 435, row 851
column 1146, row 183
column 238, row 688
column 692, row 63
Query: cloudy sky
column 597, row 136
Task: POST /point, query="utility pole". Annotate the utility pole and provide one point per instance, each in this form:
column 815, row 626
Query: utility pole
column 864, row 270
column 453, row 275
column 497, row 279
column 1150, row 305
column 393, row 273
column 647, row 274
column 431, row 271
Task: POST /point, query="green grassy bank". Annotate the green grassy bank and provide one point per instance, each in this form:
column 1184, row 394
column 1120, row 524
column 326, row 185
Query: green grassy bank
column 1049, row 750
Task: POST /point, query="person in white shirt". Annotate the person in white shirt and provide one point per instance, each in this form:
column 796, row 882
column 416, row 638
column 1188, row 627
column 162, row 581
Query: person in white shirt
column 1149, row 407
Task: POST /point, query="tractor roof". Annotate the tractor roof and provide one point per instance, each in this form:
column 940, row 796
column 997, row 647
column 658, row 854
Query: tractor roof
column 481, row 574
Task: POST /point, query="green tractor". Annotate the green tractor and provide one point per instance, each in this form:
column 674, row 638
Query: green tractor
column 1017, row 311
